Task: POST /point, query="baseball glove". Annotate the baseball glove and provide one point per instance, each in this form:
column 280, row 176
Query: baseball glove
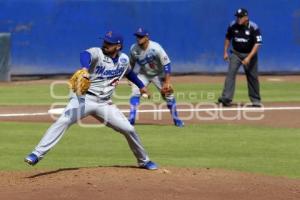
column 166, row 91
column 80, row 81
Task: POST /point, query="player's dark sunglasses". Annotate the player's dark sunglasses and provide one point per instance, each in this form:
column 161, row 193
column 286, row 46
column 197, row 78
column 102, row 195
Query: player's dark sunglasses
column 239, row 17
column 140, row 36
column 108, row 43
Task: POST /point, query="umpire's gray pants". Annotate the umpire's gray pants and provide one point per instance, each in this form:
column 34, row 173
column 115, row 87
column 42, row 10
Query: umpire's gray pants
column 235, row 61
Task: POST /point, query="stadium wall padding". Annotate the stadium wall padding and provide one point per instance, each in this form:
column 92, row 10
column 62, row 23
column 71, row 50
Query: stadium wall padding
column 47, row 36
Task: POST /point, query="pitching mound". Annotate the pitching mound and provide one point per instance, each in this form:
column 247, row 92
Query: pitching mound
column 137, row 184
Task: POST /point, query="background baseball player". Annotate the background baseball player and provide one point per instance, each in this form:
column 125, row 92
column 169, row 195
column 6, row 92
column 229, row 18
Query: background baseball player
column 102, row 69
column 155, row 67
column 245, row 38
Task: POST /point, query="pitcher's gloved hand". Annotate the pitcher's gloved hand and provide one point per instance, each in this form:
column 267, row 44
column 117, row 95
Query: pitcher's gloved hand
column 80, row 81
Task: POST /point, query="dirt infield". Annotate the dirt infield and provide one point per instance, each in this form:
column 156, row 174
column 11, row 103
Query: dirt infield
column 121, row 182
column 271, row 118
column 136, row 184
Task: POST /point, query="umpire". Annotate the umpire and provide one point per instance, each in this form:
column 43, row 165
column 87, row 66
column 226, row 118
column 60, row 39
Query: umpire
column 245, row 38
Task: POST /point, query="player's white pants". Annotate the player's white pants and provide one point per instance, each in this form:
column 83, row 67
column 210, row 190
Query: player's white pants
column 77, row 109
column 156, row 80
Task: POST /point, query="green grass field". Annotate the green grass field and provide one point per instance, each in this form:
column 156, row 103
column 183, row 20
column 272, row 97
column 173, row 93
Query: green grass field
column 272, row 151
column 243, row 148
column 194, row 93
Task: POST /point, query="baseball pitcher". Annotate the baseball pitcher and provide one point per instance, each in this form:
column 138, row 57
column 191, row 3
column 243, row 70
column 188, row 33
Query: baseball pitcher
column 93, row 86
column 155, row 67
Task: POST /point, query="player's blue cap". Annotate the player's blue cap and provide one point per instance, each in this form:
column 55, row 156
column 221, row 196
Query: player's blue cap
column 113, row 38
column 141, row 32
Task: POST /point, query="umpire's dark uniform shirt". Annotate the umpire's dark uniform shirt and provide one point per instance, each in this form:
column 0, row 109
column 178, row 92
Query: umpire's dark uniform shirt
column 242, row 37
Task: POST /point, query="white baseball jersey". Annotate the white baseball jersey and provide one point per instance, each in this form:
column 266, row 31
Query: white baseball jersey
column 152, row 60
column 105, row 74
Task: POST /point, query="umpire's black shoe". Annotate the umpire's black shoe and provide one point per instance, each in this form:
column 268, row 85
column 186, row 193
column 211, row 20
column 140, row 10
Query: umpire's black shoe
column 255, row 105
column 224, row 102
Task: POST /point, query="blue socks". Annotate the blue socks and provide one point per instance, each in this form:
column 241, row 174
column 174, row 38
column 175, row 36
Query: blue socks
column 171, row 104
column 134, row 102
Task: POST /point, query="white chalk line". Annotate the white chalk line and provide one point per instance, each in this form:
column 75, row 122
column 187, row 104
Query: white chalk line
column 221, row 109
column 23, row 114
column 58, row 111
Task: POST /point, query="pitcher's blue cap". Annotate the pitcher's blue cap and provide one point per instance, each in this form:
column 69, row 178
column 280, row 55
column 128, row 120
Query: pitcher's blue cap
column 113, row 38
column 141, row 32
